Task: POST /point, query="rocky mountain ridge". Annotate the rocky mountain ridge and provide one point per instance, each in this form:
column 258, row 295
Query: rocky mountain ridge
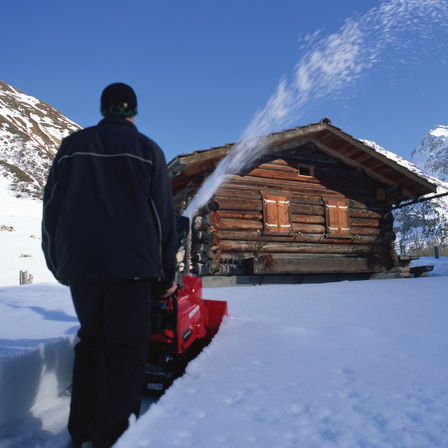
column 425, row 224
column 432, row 154
column 30, row 133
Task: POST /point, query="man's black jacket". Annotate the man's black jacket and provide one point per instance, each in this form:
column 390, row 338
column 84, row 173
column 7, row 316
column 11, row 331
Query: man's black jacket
column 108, row 208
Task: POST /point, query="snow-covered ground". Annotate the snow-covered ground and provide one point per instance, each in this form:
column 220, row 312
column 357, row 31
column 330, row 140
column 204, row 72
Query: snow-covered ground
column 349, row 364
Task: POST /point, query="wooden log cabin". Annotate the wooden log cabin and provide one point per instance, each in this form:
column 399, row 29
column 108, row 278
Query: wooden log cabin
column 316, row 201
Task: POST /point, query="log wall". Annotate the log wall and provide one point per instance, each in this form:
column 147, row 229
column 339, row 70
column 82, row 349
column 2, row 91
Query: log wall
column 229, row 234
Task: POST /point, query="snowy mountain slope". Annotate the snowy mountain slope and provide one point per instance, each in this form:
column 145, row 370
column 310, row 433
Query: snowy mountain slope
column 423, row 224
column 30, row 133
column 432, row 154
column 426, row 224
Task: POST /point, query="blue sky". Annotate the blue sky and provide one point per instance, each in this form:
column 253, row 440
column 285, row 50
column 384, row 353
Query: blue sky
column 202, row 68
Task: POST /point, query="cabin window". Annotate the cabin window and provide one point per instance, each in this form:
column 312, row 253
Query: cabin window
column 276, row 215
column 305, row 170
column 337, row 218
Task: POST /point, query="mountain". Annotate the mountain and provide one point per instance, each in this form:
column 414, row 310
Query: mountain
column 425, row 224
column 30, row 133
column 432, row 154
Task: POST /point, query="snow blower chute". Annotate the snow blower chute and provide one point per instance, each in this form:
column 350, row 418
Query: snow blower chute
column 182, row 325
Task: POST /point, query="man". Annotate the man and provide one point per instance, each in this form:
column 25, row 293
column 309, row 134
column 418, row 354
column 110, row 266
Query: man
column 108, row 231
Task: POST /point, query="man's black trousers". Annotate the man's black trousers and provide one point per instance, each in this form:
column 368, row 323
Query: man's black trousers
column 110, row 358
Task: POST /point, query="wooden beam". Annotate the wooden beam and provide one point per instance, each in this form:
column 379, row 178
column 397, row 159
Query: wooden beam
column 238, row 224
column 304, row 248
column 312, row 264
column 349, row 161
column 257, row 236
column 384, row 159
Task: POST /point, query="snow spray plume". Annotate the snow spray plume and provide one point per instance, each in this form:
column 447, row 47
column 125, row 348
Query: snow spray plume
column 329, row 65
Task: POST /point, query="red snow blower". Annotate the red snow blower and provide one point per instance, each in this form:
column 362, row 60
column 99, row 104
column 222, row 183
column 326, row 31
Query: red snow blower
column 182, row 325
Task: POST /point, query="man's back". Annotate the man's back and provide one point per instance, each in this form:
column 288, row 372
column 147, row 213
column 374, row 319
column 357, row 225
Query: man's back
column 113, row 183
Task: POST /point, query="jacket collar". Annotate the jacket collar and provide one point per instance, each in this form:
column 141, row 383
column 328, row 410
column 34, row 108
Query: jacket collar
column 117, row 120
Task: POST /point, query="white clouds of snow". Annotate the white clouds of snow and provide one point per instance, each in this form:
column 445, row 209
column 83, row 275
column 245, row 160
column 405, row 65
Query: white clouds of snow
column 327, row 66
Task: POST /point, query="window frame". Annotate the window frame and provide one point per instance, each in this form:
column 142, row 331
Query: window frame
column 281, row 198
column 335, row 227
column 308, row 167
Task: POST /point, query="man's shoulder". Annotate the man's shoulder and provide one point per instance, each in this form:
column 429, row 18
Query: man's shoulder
column 113, row 135
column 148, row 141
column 81, row 133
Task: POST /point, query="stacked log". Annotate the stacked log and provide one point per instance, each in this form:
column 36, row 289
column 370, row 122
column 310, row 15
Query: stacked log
column 229, row 230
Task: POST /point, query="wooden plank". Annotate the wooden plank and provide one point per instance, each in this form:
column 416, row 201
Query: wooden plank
column 420, row 271
column 284, row 219
column 238, row 191
column 294, row 247
column 365, row 222
column 380, row 193
column 228, row 224
column 306, row 209
column 243, row 214
column 313, row 199
column 313, row 264
column 372, row 205
column 365, row 231
column 276, row 165
column 270, row 213
column 364, row 213
column 308, row 228
column 257, row 235
column 241, row 204
column 281, row 175
column 307, row 219
column 274, row 183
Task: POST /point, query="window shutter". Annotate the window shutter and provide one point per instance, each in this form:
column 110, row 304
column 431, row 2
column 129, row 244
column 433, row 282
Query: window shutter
column 276, row 213
column 336, row 213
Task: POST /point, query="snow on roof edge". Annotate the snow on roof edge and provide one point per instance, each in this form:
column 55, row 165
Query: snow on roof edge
column 442, row 186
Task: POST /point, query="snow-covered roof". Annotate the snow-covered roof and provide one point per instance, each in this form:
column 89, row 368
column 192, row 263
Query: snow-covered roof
column 399, row 160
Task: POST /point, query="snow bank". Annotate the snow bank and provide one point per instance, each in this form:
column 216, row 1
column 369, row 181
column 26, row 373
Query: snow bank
column 440, row 265
column 37, row 331
column 330, row 365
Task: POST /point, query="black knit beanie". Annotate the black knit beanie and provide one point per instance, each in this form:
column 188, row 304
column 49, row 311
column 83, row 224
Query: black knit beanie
column 118, row 100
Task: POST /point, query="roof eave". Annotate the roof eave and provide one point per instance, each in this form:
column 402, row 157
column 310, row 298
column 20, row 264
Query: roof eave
column 367, row 149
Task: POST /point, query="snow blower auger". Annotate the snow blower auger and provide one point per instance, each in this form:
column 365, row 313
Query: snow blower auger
column 183, row 324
